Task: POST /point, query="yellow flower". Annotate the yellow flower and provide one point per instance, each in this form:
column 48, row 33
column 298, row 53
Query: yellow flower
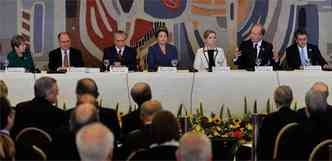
column 249, row 127
column 217, row 121
column 236, row 123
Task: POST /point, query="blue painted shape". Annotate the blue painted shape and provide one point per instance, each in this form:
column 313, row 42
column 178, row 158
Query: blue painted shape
column 312, row 23
column 289, row 29
column 182, row 43
column 38, row 31
column 198, row 38
column 156, row 9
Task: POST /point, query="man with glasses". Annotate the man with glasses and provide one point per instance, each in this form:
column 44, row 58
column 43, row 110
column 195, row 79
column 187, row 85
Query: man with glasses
column 120, row 54
column 65, row 56
column 302, row 53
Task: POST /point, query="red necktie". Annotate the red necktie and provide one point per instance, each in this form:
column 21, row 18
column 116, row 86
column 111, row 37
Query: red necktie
column 66, row 59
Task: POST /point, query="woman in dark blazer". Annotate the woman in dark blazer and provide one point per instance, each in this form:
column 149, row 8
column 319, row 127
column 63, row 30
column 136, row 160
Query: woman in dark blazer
column 161, row 53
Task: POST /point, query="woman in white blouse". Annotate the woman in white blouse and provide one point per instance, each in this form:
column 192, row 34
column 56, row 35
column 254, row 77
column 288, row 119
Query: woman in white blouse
column 210, row 55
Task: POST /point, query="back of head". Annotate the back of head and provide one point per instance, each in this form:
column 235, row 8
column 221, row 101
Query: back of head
column 164, row 127
column 43, row 87
column 321, row 87
column 283, row 96
column 95, row 142
column 5, row 112
column 3, row 89
column 7, row 148
column 82, row 115
column 148, row 109
column 140, row 93
column 315, row 102
column 87, row 86
column 194, row 147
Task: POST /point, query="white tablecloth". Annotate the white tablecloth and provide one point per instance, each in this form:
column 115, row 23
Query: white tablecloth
column 173, row 89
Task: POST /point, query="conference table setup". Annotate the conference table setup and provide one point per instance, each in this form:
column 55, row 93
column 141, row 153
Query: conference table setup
column 209, row 89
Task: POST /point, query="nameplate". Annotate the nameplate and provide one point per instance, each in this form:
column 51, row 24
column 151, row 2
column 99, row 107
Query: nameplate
column 76, row 70
column 15, row 69
column 221, row 69
column 263, row 68
column 92, row 70
column 119, row 69
column 167, row 69
column 312, row 68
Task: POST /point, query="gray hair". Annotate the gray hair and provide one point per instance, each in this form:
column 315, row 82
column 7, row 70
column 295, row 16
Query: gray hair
column 283, row 96
column 194, row 147
column 95, row 142
column 315, row 101
column 43, row 86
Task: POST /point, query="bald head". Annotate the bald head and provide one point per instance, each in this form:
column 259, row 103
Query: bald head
column 87, row 86
column 140, row 93
column 148, row 109
column 82, row 115
column 95, row 142
column 194, row 147
column 321, row 87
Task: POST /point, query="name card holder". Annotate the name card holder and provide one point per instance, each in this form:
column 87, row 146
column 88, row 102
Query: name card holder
column 118, row 69
column 312, row 68
column 92, row 70
column 221, row 69
column 263, row 68
column 76, row 70
column 167, row 69
column 15, row 69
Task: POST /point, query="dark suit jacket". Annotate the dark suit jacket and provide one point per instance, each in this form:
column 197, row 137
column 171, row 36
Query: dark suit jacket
column 128, row 58
column 247, row 60
column 131, row 122
column 137, row 139
column 294, row 60
column 107, row 116
column 270, row 128
column 38, row 113
column 156, row 58
column 55, row 59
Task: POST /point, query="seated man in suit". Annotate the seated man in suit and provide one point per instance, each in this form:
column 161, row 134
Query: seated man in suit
column 65, row 56
column 87, row 92
column 95, row 143
column 194, row 146
column 256, row 51
column 274, row 122
column 142, row 138
column 140, row 93
column 40, row 111
column 120, row 54
column 63, row 144
column 302, row 53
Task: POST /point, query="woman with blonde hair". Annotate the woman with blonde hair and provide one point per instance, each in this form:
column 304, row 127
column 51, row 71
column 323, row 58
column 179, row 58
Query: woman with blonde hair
column 3, row 89
column 210, row 55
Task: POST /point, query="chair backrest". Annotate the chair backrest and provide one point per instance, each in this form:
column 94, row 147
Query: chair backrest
column 282, row 135
column 7, row 148
column 141, row 154
column 33, row 143
column 224, row 148
column 322, row 146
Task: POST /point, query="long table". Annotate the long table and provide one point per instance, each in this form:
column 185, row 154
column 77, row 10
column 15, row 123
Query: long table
column 211, row 90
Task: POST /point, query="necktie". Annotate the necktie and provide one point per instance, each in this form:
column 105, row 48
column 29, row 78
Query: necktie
column 66, row 59
column 256, row 49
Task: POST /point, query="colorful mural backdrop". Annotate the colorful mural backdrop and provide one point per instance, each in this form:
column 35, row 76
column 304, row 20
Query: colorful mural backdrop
column 91, row 23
